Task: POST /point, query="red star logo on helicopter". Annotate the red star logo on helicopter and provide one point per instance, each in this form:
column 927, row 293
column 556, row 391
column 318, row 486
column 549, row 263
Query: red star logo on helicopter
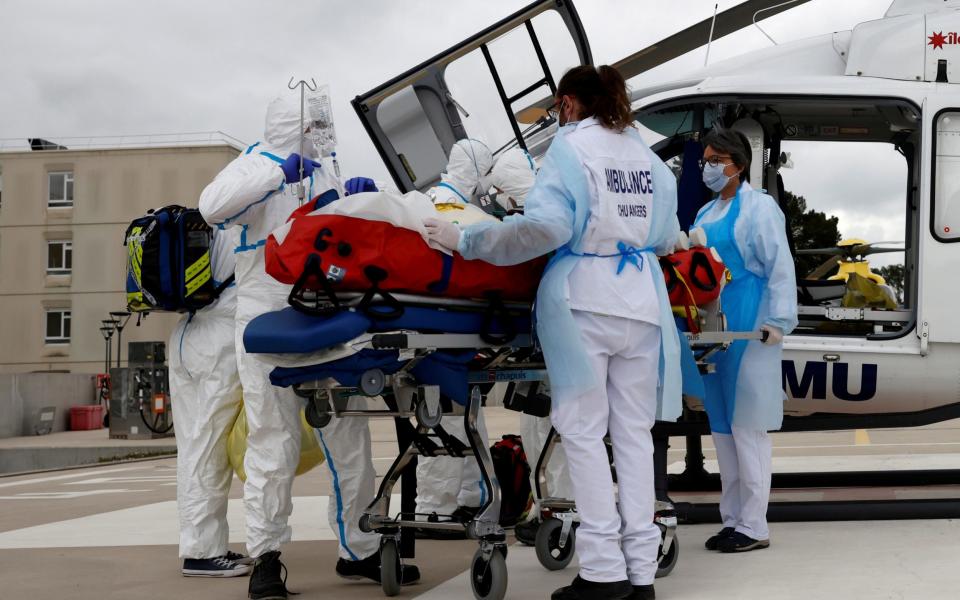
column 937, row 40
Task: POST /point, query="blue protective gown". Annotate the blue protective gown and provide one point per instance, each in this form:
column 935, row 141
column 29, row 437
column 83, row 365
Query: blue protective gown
column 749, row 234
column 555, row 218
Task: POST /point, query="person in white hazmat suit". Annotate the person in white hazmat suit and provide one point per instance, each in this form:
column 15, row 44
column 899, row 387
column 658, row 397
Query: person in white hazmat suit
column 450, row 486
column 256, row 194
column 607, row 204
column 744, row 399
column 205, row 396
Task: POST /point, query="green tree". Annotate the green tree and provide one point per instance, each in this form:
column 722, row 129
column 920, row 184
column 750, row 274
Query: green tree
column 809, row 229
column 895, row 276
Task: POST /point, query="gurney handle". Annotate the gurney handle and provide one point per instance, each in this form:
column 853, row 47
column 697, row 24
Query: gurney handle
column 389, row 340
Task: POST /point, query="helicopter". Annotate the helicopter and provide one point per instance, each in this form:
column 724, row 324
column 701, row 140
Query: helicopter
column 886, row 83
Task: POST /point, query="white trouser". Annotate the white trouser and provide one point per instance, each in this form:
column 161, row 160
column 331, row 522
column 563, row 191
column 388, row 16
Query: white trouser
column 614, row 542
column 346, row 444
column 273, row 451
column 445, row 483
column 205, row 397
column 745, row 459
column 534, row 432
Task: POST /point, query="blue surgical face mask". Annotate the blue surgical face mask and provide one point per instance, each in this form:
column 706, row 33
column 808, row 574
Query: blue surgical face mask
column 714, row 177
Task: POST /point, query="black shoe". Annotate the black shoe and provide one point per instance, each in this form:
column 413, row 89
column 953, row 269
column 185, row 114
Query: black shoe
column 369, row 568
column 221, row 566
column 581, row 589
column 423, row 533
column 465, row 514
column 269, row 578
column 739, row 542
column 643, row 592
column 714, row 542
column 526, row 532
column 240, row 559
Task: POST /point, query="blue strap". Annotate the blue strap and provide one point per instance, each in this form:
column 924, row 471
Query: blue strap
column 250, row 149
column 439, row 287
column 627, row 254
column 444, row 184
column 166, row 283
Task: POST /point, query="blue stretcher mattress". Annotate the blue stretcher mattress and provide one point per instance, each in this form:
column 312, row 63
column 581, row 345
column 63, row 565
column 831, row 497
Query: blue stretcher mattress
column 288, row 331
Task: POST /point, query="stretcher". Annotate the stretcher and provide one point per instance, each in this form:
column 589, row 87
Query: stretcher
column 423, row 358
column 556, row 537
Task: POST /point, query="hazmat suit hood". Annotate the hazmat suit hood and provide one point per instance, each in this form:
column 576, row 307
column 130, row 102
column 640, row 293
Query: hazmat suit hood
column 469, row 161
column 513, row 176
column 284, row 126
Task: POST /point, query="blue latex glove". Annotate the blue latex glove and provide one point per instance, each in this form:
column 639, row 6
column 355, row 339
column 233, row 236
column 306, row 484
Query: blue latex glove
column 357, row 185
column 291, row 168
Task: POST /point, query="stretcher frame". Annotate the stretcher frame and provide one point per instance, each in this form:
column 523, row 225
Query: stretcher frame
column 407, row 399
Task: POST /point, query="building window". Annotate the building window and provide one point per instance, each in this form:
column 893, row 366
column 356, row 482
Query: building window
column 59, row 258
column 60, row 186
column 58, row 327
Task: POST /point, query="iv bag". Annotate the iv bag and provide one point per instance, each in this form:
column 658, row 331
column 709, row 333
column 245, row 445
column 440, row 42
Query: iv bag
column 319, row 110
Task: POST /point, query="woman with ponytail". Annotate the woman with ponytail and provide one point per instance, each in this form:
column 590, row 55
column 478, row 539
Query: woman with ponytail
column 607, row 205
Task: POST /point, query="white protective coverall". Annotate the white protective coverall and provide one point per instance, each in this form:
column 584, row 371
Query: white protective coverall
column 444, row 483
column 512, row 177
column 250, row 194
column 469, row 160
column 205, row 396
column 608, row 203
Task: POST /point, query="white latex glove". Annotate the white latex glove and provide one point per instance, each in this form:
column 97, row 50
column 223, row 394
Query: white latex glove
column 682, row 243
column 698, row 237
column 442, row 232
column 775, row 335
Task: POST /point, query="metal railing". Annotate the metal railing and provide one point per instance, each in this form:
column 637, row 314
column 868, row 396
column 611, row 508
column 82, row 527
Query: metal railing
column 112, row 142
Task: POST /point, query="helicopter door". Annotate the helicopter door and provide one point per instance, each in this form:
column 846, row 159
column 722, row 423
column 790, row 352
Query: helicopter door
column 940, row 253
column 473, row 90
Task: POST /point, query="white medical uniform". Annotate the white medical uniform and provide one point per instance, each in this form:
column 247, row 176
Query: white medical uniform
column 250, row 195
column 205, row 397
column 618, row 318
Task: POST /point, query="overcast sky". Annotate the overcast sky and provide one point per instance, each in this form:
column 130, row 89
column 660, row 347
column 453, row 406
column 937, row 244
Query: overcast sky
column 114, row 67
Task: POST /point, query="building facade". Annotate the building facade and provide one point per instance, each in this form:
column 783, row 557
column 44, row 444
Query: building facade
column 63, row 214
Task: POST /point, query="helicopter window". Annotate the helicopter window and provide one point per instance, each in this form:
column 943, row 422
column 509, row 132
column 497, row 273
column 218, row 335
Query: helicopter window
column 848, row 219
column 511, row 64
column 946, row 200
column 842, row 171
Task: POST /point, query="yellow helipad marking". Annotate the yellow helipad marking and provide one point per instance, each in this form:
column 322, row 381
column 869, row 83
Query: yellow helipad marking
column 861, row 438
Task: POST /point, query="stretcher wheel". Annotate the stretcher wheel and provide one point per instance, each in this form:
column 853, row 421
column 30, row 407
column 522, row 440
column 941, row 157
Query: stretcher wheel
column 424, row 418
column 668, row 561
column 488, row 579
column 547, row 544
column 314, row 417
column 364, row 523
column 372, row 382
column 389, row 567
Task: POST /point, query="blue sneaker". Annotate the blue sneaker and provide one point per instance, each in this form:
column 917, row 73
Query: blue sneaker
column 220, row 566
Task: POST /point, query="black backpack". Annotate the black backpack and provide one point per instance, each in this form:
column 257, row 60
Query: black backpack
column 168, row 261
column 513, row 474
